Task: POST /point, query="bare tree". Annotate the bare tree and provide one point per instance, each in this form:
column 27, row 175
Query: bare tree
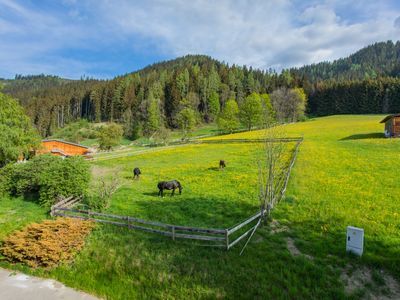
column 289, row 104
column 106, row 186
column 271, row 169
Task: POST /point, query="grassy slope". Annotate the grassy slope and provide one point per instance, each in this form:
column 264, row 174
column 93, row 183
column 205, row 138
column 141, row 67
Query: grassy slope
column 344, row 175
column 16, row 213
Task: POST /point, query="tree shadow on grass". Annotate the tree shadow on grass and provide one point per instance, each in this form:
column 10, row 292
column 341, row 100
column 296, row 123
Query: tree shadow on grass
column 178, row 266
column 196, row 211
column 373, row 135
column 160, row 268
column 152, row 194
column 213, row 169
column 154, row 266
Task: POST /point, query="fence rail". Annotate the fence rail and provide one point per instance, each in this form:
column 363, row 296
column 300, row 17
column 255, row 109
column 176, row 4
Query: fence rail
column 220, row 237
column 173, row 231
column 158, row 147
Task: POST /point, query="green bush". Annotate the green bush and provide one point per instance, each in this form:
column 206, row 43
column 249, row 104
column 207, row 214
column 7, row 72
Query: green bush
column 95, row 202
column 47, row 177
column 110, row 136
column 6, row 179
column 76, row 132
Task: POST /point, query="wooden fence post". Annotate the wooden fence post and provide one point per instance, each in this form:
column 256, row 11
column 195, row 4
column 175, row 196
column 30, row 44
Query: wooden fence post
column 227, row 239
column 173, row 233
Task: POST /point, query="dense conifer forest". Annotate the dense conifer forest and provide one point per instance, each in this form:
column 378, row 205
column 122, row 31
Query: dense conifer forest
column 144, row 101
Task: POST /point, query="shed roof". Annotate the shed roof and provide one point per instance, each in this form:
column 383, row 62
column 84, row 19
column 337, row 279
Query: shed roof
column 65, row 142
column 389, row 117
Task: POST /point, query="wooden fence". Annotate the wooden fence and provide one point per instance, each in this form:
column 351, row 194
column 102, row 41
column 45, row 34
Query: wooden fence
column 219, row 237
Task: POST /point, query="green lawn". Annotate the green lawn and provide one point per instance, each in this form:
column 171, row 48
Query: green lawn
column 345, row 174
column 15, row 213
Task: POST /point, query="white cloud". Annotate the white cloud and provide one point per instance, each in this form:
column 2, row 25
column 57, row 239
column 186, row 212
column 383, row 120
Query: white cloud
column 275, row 33
column 257, row 33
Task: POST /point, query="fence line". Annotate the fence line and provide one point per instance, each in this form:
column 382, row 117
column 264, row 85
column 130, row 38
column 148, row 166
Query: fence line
column 153, row 147
column 275, row 200
column 221, row 237
column 174, row 231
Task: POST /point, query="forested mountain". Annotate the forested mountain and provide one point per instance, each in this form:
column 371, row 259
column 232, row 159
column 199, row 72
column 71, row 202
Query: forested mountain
column 145, row 99
column 24, row 85
column 151, row 98
column 377, row 60
column 369, row 96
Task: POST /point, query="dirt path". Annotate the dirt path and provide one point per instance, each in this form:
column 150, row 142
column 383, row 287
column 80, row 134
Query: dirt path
column 18, row 286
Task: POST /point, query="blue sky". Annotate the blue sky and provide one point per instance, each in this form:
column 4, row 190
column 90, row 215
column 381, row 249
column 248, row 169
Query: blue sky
column 103, row 39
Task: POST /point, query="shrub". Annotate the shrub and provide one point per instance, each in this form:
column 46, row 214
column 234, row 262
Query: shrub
column 100, row 197
column 48, row 176
column 76, row 132
column 162, row 136
column 47, row 244
column 110, row 136
column 6, row 179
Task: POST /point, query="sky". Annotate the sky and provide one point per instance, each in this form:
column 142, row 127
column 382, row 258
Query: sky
column 107, row 38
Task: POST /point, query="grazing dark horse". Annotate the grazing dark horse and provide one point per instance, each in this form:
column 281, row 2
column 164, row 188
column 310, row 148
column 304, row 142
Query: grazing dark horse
column 169, row 185
column 222, row 164
column 136, row 173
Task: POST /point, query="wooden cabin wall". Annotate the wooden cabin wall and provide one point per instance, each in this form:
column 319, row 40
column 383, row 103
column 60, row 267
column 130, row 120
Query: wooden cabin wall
column 67, row 148
column 396, row 127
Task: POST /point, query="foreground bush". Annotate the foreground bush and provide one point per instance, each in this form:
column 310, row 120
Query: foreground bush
column 47, row 177
column 47, row 244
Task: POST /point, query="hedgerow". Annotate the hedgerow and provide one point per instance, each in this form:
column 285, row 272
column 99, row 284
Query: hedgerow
column 46, row 177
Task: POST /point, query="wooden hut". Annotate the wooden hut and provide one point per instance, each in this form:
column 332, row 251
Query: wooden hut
column 63, row 148
column 392, row 125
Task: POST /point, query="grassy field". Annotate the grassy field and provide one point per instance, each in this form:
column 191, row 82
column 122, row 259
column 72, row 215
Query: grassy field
column 15, row 213
column 344, row 175
column 210, row 197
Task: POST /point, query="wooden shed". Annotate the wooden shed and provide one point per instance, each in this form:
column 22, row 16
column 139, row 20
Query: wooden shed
column 392, row 125
column 63, row 148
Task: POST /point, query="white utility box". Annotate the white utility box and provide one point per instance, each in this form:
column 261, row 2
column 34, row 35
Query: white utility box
column 355, row 240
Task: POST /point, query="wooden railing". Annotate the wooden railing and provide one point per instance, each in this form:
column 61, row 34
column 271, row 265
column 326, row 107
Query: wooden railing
column 170, row 230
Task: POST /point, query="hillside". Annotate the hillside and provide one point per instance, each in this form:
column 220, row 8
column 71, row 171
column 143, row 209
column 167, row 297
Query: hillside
column 158, row 92
column 377, row 60
column 23, row 86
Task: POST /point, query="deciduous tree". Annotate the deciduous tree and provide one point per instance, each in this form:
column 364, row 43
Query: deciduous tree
column 110, row 136
column 186, row 121
column 229, row 118
column 251, row 111
column 17, row 136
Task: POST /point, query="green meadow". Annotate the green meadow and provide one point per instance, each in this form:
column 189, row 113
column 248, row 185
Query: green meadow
column 345, row 174
column 210, row 198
